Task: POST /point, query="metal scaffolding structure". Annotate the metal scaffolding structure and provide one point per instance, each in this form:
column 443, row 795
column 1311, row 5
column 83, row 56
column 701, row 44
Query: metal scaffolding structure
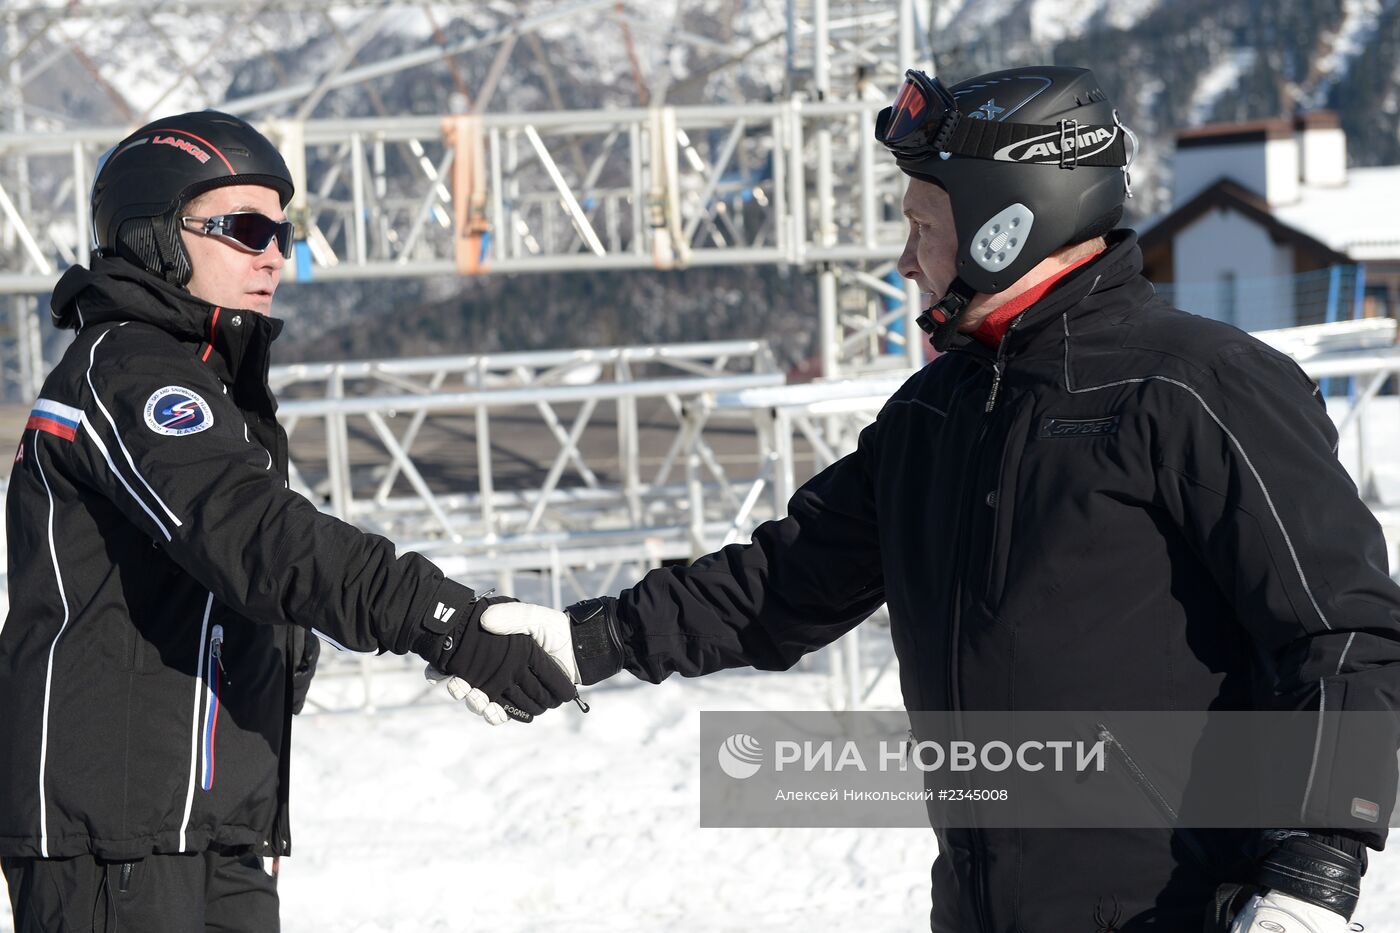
column 384, row 435
column 795, row 182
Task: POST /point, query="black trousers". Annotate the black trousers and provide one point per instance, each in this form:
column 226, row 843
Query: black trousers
column 213, row 892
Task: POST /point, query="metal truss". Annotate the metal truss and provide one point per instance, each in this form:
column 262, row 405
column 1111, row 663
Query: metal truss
column 631, row 189
column 372, row 421
column 862, row 46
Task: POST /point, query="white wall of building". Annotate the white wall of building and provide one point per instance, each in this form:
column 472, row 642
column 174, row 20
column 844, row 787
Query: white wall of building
column 1196, row 169
column 1226, row 267
column 1269, row 168
column 1324, row 156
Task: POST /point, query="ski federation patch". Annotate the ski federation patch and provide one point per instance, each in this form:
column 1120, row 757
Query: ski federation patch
column 176, row 411
column 54, row 418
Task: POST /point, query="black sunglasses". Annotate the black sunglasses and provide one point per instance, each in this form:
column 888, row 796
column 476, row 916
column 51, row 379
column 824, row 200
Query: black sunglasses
column 922, row 118
column 246, row 230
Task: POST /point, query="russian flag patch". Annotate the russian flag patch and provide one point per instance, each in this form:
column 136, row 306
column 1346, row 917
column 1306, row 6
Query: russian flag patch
column 54, row 418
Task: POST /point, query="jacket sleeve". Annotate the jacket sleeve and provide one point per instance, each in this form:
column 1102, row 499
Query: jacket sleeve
column 1248, row 471
column 802, row 582
column 211, row 498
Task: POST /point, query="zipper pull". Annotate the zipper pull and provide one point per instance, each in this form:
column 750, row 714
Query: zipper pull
column 998, row 363
column 216, row 649
column 996, row 386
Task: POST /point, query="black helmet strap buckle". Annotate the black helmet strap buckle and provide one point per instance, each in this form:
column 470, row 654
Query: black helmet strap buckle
column 941, row 320
column 1069, row 149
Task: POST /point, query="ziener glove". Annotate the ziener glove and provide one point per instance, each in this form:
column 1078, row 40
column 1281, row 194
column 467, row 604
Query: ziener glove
column 511, row 670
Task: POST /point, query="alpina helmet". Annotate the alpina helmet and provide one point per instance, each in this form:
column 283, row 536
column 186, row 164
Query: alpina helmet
column 1032, row 159
column 146, row 179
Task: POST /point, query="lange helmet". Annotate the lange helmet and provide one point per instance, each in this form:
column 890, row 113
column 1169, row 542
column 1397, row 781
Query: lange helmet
column 146, row 179
column 1032, row 159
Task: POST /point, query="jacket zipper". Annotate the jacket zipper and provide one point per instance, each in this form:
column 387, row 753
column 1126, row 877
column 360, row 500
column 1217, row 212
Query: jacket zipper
column 1154, row 796
column 998, row 365
column 213, row 678
column 996, row 502
column 979, row 855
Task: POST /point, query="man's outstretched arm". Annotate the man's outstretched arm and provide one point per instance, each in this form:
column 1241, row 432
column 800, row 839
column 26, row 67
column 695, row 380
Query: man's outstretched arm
column 210, row 498
column 802, row 582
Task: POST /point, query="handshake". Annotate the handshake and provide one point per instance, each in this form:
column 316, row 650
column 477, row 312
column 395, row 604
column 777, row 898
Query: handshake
column 511, row 660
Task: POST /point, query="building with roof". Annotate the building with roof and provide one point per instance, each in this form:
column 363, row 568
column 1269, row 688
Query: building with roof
column 1269, row 227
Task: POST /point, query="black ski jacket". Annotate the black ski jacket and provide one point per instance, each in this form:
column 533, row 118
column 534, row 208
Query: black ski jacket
column 1125, row 507
column 162, row 582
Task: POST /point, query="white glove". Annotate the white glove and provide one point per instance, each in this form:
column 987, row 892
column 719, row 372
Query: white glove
column 476, row 701
column 1276, row 912
column 550, row 628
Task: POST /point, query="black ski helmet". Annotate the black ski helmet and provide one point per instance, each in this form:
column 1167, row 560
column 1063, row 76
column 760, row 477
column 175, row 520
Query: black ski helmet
column 1032, row 159
column 146, row 179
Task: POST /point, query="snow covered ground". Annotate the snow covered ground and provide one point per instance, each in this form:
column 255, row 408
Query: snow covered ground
column 579, row 822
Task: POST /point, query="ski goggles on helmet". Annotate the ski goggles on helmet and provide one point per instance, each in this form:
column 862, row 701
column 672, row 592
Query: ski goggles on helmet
column 246, row 230
column 922, row 118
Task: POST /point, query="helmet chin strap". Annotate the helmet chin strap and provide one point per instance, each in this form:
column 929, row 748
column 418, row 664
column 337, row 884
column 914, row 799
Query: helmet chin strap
column 941, row 321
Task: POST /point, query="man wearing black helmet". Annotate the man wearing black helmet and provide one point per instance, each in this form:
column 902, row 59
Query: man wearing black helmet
column 1090, row 501
column 164, row 582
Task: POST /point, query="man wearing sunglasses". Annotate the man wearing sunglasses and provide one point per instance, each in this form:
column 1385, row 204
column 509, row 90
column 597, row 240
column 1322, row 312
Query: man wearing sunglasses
column 1090, row 501
column 164, row 581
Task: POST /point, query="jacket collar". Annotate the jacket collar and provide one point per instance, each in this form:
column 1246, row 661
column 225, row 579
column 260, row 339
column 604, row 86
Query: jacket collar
column 114, row 290
column 1102, row 290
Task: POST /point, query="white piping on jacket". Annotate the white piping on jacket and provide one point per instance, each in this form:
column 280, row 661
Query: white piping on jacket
column 194, row 720
column 92, row 356
column 48, row 675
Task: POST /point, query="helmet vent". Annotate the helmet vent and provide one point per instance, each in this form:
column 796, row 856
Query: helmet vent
column 1001, row 239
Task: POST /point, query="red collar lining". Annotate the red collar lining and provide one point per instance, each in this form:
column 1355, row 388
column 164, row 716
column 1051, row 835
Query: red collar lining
column 994, row 327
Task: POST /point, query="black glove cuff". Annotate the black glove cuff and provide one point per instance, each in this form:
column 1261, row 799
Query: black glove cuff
column 1305, row 867
column 597, row 639
column 446, row 613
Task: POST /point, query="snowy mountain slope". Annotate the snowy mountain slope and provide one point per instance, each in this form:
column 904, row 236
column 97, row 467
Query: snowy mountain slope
column 1219, row 80
column 1049, row 20
column 1169, row 64
column 1360, row 21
